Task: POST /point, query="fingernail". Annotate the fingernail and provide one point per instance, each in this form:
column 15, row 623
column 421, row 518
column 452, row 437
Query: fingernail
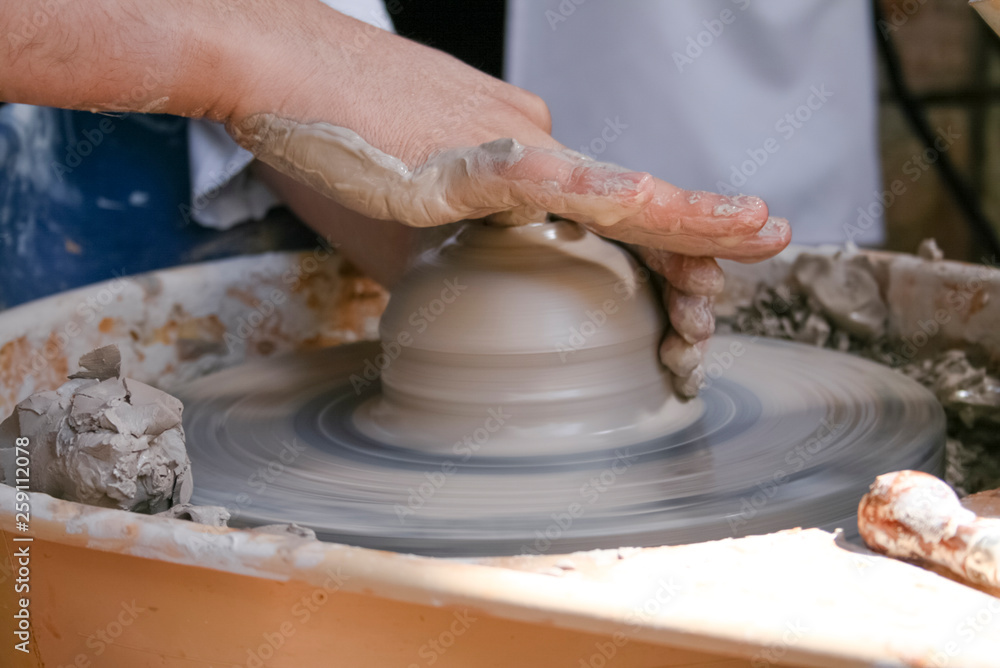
column 773, row 228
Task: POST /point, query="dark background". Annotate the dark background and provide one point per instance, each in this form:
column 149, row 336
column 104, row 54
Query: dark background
column 471, row 30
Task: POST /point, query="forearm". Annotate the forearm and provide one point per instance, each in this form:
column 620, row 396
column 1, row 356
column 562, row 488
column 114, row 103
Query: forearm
column 185, row 57
column 381, row 249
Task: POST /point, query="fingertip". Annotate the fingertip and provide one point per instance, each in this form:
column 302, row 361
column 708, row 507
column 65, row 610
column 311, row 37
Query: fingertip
column 745, row 214
column 691, row 316
column 688, row 386
column 700, row 276
column 680, row 356
column 770, row 240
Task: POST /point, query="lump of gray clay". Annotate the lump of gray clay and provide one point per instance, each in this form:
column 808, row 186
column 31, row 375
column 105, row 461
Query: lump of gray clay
column 102, row 440
column 846, row 290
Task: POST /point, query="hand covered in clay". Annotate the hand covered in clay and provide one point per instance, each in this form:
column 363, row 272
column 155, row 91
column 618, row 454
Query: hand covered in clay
column 690, row 287
column 399, row 131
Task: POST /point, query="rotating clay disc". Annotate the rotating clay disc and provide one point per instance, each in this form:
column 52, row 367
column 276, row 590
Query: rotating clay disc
column 784, row 435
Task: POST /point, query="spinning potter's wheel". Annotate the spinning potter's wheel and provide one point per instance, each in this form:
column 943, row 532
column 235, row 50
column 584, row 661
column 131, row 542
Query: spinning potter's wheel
column 515, row 405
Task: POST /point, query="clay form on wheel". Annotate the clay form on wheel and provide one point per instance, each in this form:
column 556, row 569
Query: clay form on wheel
column 504, row 423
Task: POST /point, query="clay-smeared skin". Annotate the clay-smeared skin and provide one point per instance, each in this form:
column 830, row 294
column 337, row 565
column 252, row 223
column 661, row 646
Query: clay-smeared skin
column 913, row 515
column 503, row 175
column 692, row 285
column 456, row 184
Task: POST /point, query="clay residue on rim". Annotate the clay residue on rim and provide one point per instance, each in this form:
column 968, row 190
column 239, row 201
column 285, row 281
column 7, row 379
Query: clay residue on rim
column 17, row 359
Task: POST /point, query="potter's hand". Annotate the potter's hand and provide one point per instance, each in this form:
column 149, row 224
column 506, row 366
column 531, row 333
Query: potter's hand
column 691, row 284
column 367, row 126
column 370, row 130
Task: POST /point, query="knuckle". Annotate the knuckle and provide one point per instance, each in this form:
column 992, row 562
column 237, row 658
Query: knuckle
column 535, row 108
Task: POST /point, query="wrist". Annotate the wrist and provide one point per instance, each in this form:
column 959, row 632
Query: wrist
column 287, row 63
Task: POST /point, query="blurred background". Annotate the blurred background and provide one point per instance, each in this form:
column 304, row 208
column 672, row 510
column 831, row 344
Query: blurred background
column 951, row 61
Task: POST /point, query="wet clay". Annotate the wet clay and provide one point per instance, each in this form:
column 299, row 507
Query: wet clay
column 846, row 291
column 102, row 440
column 545, row 332
column 968, row 391
column 452, row 185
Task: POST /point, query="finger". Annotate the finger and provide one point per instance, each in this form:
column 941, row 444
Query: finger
column 503, row 175
column 688, row 386
column 455, row 184
column 691, row 315
column 674, row 212
column 693, row 275
column 681, row 357
column 770, row 240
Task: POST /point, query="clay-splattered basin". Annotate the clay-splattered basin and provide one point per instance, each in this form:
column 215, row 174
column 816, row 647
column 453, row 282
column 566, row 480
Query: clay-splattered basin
column 109, row 588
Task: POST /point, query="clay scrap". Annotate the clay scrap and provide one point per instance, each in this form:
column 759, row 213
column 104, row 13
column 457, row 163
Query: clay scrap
column 837, row 302
column 213, row 516
column 102, row 439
